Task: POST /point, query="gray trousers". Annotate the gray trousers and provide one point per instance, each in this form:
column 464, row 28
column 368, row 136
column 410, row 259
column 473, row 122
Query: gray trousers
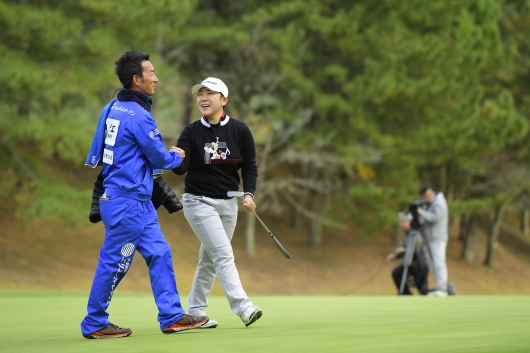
column 214, row 222
column 437, row 249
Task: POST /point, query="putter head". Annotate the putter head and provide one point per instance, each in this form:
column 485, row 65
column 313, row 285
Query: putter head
column 235, row 193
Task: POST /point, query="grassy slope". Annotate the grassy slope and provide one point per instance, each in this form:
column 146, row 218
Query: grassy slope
column 40, row 256
column 50, row 323
column 43, row 256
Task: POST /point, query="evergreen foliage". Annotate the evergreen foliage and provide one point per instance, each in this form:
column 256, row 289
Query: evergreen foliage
column 353, row 104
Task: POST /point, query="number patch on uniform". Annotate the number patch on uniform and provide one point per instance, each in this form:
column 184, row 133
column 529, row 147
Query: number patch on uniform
column 111, row 131
column 108, row 156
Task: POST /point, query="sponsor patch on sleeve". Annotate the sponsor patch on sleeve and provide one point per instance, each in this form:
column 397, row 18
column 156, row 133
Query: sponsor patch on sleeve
column 154, row 133
column 108, row 156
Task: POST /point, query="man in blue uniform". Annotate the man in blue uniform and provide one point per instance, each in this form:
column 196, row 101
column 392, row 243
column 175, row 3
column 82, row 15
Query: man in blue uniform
column 131, row 150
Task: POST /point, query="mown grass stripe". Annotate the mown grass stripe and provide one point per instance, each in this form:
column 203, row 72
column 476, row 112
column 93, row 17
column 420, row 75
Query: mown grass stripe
column 49, row 322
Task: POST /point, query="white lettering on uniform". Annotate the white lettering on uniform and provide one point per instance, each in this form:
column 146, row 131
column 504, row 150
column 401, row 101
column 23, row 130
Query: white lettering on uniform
column 111, row 131
column 154, row 133
column 122, row 109
column 108, row 156
column 123, row 266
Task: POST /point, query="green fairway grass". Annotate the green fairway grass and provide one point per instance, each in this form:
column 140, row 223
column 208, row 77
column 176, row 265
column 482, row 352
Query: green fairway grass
column 49, row 322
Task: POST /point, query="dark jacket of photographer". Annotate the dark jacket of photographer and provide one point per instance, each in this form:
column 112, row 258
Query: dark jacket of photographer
column 419, row 259
column 435, row 218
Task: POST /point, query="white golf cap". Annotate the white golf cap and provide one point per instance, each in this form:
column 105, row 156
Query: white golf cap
column 213, row 84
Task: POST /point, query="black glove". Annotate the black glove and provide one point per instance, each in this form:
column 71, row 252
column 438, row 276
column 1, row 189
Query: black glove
column 94, row 215
column 165, row 196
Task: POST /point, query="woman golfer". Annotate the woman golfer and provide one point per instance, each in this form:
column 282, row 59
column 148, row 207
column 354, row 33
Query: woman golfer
column 216, row 147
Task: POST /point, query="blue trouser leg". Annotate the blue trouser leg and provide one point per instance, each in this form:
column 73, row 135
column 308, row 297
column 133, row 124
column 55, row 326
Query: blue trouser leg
column 123, row 219
column 130, row 225
column 157, row 254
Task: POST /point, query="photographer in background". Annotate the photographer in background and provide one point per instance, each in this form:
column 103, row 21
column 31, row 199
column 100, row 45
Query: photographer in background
column 418, row 268
column 434, row 218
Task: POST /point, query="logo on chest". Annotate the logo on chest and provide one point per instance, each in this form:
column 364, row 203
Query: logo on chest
column 216, row 153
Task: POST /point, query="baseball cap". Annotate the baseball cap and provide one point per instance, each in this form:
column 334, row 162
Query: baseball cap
column 213, row 84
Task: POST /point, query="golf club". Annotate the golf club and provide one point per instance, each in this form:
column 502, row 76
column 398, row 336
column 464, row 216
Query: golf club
column 282, row 249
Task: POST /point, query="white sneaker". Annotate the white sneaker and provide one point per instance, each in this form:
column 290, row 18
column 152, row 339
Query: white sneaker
column 437, row 293
column 209, row 324
column 250, row 315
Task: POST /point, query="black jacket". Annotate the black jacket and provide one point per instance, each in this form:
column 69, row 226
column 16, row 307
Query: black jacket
column 213, row 168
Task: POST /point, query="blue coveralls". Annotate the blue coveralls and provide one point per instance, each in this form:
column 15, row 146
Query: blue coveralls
column 133, row 148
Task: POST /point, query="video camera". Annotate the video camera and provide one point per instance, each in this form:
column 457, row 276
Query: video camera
column 413, row 210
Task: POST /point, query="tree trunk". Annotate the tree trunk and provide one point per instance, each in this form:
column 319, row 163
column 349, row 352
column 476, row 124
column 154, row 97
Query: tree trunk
column 396, row 235
column 187, row 109
column 468, row 250
column 249, row 233
column 296, row 214
column 250, row 229
column 525, row 222
column 443, row 179
column 455, row 230
column 496, row 216
column 318, row 206
column 464, row 223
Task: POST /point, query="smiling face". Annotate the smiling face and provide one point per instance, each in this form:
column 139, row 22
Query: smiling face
column 147, row 83
column 210, row 103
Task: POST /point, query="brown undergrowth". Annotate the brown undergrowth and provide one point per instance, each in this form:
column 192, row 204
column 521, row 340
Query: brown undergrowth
column 43, row 256
column 40, row 255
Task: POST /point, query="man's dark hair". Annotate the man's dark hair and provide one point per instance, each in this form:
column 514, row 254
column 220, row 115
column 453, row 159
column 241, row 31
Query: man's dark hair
column 128, row 65
column 424, row 189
